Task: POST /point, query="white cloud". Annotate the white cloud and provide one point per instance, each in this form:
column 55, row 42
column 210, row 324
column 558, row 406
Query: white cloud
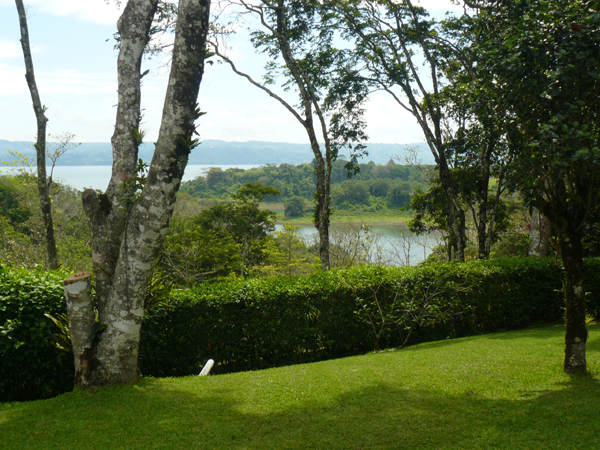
column 13, row 80
column 75, row 82
column 55, row 82
column 89, row 122
column 389, row 122
column 96, row 11
column 436, row 4
column 10, row 50
column 264, row 121
column 78, row 103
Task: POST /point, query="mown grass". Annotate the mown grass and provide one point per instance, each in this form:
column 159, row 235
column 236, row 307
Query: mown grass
column 498, row 391
column 380, row 217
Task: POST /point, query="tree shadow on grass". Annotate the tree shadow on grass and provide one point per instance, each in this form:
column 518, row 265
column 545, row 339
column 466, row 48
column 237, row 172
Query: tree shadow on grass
column 593, row 342
column 543, row 331
column 157, row 415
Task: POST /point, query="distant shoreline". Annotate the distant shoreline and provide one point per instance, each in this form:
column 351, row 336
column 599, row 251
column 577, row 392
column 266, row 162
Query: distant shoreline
column 216, row 152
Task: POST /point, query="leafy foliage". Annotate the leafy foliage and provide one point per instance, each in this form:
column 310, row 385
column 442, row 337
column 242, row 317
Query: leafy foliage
column 32, row 367
column 552, row 49
column 21, row 229
column 132, row 187
column 259, row 323
column 295, row 207
column 192, row 254
column 431, row 210
column 295, row 181
column 255, row 323
column 287, row 254
column 220, row 240
column 9, row 206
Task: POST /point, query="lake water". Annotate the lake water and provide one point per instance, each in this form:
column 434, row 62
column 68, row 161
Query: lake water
column 391, row 244
column 97, row 177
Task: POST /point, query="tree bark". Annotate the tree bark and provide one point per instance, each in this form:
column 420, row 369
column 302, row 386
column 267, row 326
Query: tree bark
column 455, row 211
column 570, row 243
column 106, row 213
column 540, row 231
column 78, row 294
column 482, row 231
column 127, row 237
column 40, row 145
column 481, row 220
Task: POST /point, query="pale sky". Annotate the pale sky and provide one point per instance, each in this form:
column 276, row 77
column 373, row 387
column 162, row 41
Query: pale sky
column 75, row 66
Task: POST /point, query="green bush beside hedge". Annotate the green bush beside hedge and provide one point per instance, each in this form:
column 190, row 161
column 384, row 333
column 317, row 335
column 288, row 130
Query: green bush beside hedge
column 30, row 366
column 260, row 323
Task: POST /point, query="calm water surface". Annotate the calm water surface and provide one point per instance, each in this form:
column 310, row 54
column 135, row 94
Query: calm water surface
column 97, row 177
column 393, row 244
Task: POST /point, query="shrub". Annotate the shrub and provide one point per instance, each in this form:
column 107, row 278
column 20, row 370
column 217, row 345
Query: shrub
column 259, row 323
column 294, row 207
column 31, row 367
column 249, row 324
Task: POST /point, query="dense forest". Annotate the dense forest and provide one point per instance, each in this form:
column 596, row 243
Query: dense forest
column 391, row 185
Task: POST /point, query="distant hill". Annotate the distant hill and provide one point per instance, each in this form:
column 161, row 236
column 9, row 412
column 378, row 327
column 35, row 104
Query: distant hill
column 217, row 152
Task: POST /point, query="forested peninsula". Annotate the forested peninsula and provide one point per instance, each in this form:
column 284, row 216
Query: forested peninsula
column 376, row 189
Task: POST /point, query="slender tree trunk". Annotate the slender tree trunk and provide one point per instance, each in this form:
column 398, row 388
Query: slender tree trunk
column 574, row 290
column 107, row 213
column 322, row 202
column 323, row 169
column 40, row 145
column 482, row 222
column 540, row 231
column 455, row 211
column 492, row 217
column 127, row 238
column 482, row 252
column 423, row 103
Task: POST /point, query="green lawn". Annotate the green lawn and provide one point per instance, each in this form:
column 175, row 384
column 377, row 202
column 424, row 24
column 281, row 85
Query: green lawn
column 504, row 390
column 342, row 216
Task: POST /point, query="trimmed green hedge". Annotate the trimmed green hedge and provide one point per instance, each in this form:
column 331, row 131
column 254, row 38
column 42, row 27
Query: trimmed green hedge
column 30, row 366
column 260, row 323
column 255, row 324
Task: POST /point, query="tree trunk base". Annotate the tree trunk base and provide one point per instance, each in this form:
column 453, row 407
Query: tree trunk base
column 575, row 362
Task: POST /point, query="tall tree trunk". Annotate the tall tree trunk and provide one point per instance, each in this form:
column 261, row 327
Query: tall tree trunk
column 482, row 248
column 107, row 213
column 321, row 217
column 127, row 237
column 574, row 290
column 40, row 145
column 455, row 211
column 483, row 225
column 423, row 103
column 323, row 169
column 540, row 231
column 322, row 213
column 493, row 216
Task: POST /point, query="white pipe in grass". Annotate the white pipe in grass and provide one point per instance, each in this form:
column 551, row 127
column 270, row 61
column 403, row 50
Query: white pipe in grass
column 206, row 369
